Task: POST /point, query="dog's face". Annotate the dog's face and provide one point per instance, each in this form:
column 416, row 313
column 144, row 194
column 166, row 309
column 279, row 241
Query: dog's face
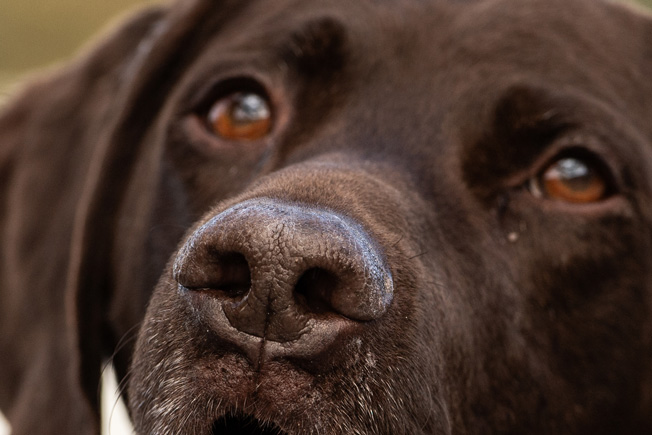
column 409, row 218
column 382, row 218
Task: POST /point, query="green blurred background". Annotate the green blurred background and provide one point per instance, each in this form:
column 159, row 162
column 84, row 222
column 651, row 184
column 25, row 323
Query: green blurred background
column 37, row 33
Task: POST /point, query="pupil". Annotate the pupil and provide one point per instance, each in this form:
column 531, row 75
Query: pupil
column 250, row 108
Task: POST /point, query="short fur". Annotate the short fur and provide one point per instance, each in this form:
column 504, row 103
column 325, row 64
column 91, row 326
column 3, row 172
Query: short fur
column 421, row 121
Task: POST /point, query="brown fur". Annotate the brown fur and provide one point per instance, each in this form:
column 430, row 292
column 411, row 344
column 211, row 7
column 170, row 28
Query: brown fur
column 418, row 122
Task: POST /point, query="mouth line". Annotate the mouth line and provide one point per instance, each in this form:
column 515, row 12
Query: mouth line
column 240, row 424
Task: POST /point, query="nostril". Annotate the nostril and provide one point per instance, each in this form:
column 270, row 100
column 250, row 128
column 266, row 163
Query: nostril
column 315, row 289
column 226, row 272
column 234, row 277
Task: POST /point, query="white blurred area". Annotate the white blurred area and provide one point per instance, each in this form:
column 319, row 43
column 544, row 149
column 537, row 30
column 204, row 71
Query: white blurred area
column 115, row 420
column 4, row 426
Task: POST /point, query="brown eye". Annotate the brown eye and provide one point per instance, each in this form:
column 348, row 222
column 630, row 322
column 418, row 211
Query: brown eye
column 573, row 180
column 241, row 116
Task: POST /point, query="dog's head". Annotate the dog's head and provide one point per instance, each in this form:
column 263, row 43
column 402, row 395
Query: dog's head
column 410, row 218
column 379, row 217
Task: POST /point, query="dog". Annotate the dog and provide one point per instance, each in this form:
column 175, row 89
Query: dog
column 328, row 217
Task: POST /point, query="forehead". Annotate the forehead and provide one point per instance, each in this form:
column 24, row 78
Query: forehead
column 422, row 60
column 429, row 41
column 413, row 77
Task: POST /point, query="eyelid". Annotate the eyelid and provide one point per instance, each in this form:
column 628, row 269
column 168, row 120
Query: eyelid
column 227, row 86
column 572, row 144
column 215, row 80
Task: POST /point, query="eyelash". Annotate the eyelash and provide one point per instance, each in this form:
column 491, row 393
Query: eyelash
column 224, row 88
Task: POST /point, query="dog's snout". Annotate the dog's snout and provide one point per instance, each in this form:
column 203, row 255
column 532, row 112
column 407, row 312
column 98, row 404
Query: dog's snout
column 280, row 271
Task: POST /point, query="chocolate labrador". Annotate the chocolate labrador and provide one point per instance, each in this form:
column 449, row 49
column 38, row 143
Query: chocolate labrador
column 336, row 217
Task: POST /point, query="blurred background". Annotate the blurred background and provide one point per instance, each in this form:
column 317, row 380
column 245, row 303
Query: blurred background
column 37, row 33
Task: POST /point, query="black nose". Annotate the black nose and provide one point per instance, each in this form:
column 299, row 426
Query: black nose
column 280, row 271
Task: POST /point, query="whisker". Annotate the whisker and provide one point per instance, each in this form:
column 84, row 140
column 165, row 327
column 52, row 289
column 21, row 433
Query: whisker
column 118, row 396
column 126, row 338
column 418, row 255
column 398, row 241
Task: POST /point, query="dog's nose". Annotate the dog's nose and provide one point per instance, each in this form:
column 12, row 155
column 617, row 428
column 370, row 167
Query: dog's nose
column 282, row 270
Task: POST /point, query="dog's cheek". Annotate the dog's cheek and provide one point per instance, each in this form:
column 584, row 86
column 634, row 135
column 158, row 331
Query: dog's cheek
column 579, row 280
column 206, row 179
column 161, row 382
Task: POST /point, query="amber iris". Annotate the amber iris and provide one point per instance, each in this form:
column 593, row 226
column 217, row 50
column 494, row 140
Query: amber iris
column 241, row 116
column 573, row 180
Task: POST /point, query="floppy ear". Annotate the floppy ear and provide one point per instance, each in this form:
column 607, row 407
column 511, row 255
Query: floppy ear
column 55, row 155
